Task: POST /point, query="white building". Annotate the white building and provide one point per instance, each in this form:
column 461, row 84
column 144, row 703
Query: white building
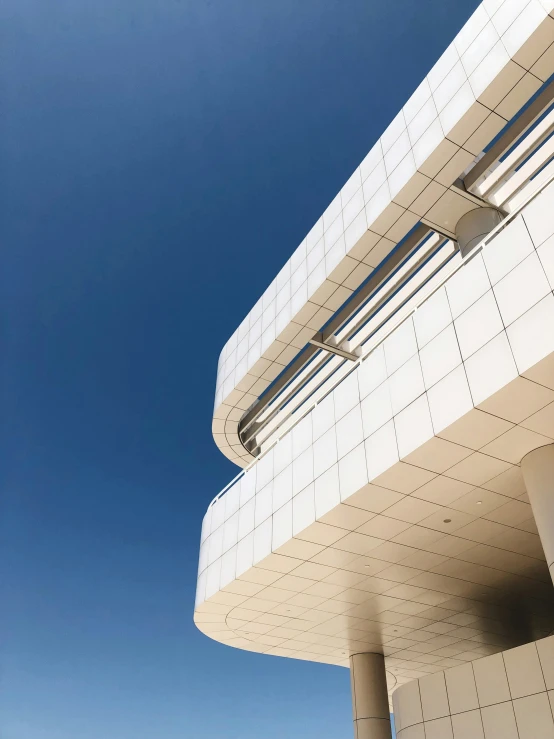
column 390, row 399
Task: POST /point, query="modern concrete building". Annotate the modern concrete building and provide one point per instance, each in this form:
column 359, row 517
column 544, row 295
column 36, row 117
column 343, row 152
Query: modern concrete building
column 390, row 398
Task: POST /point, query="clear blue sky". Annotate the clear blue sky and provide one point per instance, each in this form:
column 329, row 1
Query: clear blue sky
column 160, row 161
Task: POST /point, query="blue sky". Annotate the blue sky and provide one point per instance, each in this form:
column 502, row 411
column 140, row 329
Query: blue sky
column 161, row 159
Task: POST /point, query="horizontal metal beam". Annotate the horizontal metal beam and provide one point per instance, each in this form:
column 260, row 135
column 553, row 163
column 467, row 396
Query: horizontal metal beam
column 378, row 277
column 287, row 375
column 317, row 340
column 519, row 126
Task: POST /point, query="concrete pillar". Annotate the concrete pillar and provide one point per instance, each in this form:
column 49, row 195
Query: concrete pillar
column 370, row 702
column 538, row 474
column 474, row 226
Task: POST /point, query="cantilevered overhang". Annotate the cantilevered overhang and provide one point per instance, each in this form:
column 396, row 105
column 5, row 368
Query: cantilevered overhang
column 497, row 62
column 393, row 517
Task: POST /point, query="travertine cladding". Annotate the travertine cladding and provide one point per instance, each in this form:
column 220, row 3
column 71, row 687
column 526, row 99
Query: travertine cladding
column 509, row 695
column 491, row 322
column 495, row 64
column 394, row 517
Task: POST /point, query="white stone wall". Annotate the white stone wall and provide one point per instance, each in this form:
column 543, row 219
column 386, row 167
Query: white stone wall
column 490, row 323
column 509, row 695
column 495, row 64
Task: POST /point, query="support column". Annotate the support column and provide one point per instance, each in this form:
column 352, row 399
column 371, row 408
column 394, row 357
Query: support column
column 370, row 701
column 472, row 228
column 538, row 474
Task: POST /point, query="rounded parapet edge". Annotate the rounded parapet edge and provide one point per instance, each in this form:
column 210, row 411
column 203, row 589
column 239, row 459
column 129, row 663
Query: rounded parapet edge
column 408, row 176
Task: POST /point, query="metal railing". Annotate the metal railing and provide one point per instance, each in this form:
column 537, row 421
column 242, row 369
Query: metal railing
column 394, row 295
column 445, row 275
column 331, row 352
column 518, row 165
column 521, row 159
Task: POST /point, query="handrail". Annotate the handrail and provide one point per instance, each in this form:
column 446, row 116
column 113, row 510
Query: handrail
column 516, row 156
column 512, row 132
column 349, row 308
column 521, row 177
column 488, row 238
column 396, row 301
column 373, row 301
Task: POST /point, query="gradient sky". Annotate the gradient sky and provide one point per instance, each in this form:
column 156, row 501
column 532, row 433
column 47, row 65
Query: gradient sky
column 160, row 161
